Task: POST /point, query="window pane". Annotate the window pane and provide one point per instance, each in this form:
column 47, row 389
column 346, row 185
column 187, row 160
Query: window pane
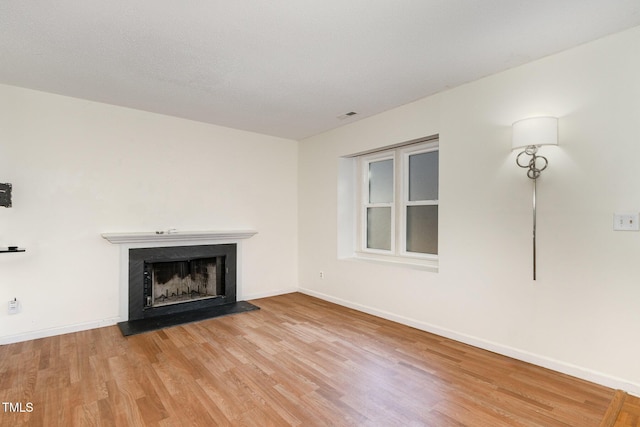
column 422, row 229
column 379, row 228
column 381, row 181
column 423, row 176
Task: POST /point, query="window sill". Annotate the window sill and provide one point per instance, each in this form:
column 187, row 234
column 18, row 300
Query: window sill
column 430, row 264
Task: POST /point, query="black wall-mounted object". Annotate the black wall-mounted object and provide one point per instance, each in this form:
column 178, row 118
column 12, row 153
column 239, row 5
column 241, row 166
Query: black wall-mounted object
column 11, row 249
column 5, row 195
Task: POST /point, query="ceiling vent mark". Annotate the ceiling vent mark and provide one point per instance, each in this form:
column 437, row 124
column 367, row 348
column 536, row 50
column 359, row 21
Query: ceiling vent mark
column 347, row 115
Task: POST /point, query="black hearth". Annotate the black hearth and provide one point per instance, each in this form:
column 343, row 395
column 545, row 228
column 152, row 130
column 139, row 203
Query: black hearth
column 179, row 284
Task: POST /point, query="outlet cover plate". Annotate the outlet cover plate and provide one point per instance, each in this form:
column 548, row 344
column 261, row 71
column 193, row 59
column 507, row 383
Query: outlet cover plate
column 626, row 222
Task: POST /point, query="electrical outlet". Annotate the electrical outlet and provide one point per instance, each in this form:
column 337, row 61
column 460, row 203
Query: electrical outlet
column 626, row 222
column 14, row 306
column 322, row 274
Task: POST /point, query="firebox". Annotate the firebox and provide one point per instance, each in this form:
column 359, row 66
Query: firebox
column 175, row 282
column 176, row 279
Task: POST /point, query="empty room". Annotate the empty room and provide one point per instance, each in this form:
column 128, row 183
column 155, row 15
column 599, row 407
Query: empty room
column 358, row 213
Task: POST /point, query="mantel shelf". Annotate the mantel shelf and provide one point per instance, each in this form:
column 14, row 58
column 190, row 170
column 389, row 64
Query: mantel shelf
column 172, row 236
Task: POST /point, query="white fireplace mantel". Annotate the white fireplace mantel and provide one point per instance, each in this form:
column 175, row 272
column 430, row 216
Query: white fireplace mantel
column 172, row 236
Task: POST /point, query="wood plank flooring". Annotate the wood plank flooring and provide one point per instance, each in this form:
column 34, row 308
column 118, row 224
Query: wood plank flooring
column 297, row 361
column 624, row 411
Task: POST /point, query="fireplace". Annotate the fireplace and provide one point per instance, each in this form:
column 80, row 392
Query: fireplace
column 173, row 277
column 177, row 279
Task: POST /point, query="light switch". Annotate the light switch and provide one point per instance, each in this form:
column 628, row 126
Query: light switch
column 626, row 222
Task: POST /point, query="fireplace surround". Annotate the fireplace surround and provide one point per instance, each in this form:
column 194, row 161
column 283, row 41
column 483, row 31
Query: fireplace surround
column 146, row 264
column 182, row 260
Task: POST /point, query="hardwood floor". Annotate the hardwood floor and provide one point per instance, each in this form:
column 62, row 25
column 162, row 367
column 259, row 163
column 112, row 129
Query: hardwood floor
column 624, row 411
column 297, row 361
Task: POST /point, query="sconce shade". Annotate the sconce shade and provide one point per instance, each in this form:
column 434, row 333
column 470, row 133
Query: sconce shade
column 534, row 131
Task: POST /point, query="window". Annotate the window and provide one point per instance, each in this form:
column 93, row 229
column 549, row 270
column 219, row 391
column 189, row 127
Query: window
column 398, row 196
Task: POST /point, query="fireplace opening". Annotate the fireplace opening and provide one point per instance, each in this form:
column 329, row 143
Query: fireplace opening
column 175, row 282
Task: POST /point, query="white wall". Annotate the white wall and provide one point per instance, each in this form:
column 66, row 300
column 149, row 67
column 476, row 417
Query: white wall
column 583, row 313
column 80, row 168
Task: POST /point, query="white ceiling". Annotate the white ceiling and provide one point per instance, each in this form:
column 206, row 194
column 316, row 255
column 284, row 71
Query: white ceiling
column 283, row 67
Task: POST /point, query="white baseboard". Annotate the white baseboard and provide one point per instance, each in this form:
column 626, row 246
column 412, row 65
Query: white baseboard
column 50, row 332
column 267, row 294
column 545, row 362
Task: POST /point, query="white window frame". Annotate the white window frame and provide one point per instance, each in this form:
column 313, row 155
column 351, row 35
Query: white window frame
column 398, row 253
column 406, row 153
column 365, row 204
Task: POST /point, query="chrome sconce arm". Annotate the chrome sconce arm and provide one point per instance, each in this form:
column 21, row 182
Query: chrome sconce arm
column 532, row 133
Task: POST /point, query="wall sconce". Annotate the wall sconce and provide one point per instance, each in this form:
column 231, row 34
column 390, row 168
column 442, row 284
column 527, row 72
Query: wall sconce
column 530, row 134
